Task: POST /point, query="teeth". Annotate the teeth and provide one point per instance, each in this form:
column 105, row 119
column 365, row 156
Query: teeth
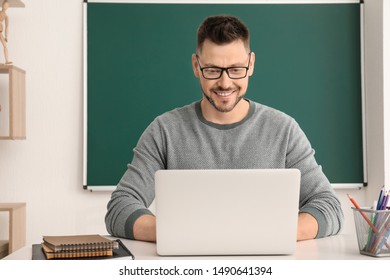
column 224, row 93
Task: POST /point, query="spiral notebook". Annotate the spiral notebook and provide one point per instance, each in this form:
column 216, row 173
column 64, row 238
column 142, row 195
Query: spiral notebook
column 79, row 242
column 79, row 247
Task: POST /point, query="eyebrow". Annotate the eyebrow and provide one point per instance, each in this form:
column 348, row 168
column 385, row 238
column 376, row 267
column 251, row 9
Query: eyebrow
column 213, row 65
column 232, row 65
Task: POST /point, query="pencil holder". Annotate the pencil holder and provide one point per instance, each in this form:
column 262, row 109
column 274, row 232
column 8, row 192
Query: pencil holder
column 372, row 230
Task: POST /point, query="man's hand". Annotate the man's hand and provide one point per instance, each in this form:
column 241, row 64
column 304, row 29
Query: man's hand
column 145, row 228
column 307, row 227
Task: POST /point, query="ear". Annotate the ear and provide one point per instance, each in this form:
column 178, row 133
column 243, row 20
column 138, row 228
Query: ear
column 252, row 64
column 195, row 66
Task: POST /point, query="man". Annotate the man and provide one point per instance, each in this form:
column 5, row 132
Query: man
column 222, row 131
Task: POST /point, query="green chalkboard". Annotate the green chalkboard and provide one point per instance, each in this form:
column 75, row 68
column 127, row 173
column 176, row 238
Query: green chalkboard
column 139, row 66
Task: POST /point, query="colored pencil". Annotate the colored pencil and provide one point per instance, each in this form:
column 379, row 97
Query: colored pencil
column 365, row 216
column 362, row 213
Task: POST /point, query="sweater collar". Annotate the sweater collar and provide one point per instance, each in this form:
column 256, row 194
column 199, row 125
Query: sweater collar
column 200, row 116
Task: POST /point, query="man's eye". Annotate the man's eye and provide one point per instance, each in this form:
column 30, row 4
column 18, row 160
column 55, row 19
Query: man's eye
column 236, row 70
column 212, row 70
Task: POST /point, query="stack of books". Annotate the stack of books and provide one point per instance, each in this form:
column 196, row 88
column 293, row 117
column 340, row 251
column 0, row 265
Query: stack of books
column 78, row 246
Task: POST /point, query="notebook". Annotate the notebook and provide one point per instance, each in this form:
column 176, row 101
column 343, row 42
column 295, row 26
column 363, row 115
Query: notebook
column 121, row 252
column 227, row 212
column 78, row 242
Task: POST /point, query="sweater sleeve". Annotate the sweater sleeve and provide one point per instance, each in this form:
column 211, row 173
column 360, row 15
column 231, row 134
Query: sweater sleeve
column 135, row 191
column 317, row 197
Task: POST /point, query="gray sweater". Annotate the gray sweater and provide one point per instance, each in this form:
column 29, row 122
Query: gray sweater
column 184, row 139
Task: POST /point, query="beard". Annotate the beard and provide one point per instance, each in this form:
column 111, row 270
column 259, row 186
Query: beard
column 224, row 108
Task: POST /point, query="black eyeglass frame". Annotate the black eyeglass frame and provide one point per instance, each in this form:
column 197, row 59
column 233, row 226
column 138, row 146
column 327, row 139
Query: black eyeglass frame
column 226, row 69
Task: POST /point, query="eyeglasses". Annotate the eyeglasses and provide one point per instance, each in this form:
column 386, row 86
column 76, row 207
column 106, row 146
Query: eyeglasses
column 214, row 73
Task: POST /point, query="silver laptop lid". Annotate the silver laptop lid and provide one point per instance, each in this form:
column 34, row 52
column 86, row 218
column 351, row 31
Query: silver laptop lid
column 227, row 212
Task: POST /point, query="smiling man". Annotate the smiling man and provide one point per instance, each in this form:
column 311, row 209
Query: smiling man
column 223, row 130
column 224, row 87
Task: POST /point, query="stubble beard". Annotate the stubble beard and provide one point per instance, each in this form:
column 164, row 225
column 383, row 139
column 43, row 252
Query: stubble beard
column 223, row 109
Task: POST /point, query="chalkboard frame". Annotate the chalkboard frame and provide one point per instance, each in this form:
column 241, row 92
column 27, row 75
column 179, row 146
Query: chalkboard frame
column 104, row 186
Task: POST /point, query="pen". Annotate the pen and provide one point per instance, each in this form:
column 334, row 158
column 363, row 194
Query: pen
column 378, row 205
column 365, row 217
column 381, row 239
column 369, row 240
column 382, row 202
column 385, row 201
column 380, row 219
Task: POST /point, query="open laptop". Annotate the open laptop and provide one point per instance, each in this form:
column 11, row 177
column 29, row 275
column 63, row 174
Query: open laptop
column 227, row 212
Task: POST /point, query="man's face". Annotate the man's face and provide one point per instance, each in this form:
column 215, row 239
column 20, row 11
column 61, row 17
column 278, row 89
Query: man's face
column 223, row 93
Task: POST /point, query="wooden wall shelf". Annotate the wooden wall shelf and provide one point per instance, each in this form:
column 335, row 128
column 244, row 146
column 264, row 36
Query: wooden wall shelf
column 12, row 102
column 17, row 224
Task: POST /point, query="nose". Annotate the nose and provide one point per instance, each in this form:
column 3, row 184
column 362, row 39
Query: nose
column 224, row 81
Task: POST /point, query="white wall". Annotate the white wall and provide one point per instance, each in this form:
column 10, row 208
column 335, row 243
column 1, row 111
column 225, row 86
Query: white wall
column 378, row 107
column 45, row 170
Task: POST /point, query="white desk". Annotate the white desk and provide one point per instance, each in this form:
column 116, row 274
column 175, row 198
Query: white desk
column 340, row 247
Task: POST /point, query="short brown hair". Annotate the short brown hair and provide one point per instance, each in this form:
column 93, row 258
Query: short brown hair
column 222, row 30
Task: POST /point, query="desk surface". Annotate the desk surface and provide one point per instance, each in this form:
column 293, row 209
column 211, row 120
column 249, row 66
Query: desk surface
column 340, row 247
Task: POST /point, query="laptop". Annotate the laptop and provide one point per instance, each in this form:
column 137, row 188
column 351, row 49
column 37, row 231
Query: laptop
column 227, row 212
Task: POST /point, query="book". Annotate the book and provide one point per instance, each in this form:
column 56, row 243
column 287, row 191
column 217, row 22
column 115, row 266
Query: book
column 38, row 253
column 92, row 242
column 72, row 254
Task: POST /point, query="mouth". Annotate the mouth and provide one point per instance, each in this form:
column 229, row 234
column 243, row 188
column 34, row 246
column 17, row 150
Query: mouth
column 224, row 93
